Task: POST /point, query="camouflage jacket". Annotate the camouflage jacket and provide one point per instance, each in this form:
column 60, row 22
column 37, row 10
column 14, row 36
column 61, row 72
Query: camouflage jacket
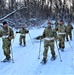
column 69, row 28
column 56, row 23
column 23, row 32
column 7, row 33
column 61, row 29
column 49, row 33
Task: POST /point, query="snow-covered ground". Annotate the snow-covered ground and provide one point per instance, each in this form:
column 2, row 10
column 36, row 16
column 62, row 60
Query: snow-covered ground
column 26, row 60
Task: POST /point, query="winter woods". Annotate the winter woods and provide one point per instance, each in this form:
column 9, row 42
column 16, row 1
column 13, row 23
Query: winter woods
column 36, row 9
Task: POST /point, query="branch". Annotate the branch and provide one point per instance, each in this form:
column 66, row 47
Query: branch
column 12, row 13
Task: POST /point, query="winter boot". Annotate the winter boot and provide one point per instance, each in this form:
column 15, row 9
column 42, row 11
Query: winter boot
column 70, row 38
column 62, row 49
column 67, row 40
column 5, row 60
column 8, row 57
column 20, row 44
column 44, row 61
column 53, row 57
column 24, row 44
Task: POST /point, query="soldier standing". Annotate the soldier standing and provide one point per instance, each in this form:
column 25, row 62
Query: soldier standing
column 56, row 23
column 48, row 35
column 61, row 35
column 7, row 35
column 69, row 28
column 23, row 33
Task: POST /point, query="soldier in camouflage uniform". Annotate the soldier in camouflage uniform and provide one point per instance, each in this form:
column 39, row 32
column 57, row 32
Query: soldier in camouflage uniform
column 49, row 34
column 61, row 35
column 56, row 23
column 7, row 35
column 69, row 28
column 23, row 33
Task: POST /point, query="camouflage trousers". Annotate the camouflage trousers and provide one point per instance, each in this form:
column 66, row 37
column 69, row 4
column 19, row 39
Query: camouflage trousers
column 22, row 38
column 68, row 35
column 62, row 41
column 6, row 47
column 46, row 48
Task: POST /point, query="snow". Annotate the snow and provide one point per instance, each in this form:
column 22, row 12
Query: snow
column 26, row 60
column 33, row 19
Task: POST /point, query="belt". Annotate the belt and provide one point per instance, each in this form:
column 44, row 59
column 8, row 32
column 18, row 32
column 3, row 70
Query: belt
column 22, row 34
column 49, row 39
column 61, row 33
column 5, row 36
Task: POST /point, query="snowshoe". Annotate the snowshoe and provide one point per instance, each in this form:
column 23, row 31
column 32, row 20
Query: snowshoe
column 62, row 49
column 44, row 61
column 53, row 57
column 20, row 44
column 5, row 60
column 71, row 39
column 24, row 45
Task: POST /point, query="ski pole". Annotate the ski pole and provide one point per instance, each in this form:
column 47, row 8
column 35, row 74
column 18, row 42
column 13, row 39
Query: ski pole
column 12, row 55
column 59, row 53
column 31, row 38
column 70, row 45
column 14, row 38
column 39, row 49
column 11, row 49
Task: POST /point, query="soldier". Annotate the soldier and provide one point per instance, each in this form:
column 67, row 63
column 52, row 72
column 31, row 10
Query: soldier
column 7, row 35
column 56, row 23
column 69, row 28
column 23, row 33
column 49, row 35
column 61, row 35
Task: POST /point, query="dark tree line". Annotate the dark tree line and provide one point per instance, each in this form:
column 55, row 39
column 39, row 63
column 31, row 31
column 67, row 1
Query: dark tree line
column 39, row 9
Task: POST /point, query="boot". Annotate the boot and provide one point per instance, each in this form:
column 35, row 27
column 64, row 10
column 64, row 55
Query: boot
column 62, row 49
column 20, row 44
column 5, row 60
column 67, row 40
column 70, row 38
column 8, row 57
column 53, row 57
column 44, row 60
column 24, row 44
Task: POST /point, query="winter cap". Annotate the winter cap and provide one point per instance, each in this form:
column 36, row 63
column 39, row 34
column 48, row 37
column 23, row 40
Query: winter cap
column 4, row 22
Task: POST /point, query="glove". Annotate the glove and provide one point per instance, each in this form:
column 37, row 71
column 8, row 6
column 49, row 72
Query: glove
column 27, row 31
column 11, row 37
column 17, row 32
